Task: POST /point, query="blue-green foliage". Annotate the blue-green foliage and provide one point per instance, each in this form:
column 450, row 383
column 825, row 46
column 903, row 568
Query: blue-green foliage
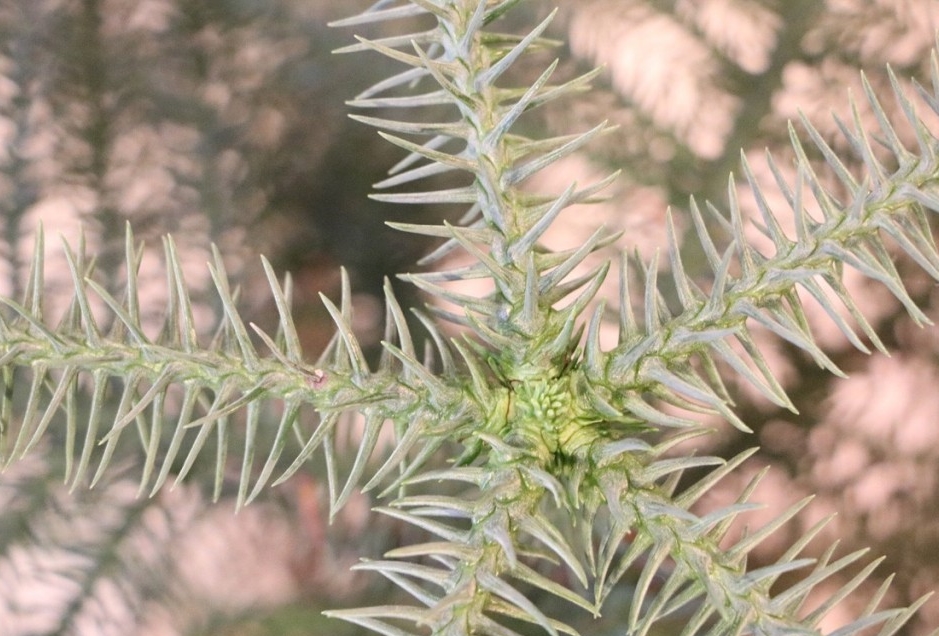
column 539, row 464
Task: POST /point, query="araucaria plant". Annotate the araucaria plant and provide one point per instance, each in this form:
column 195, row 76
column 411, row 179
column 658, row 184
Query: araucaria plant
column 535, row 462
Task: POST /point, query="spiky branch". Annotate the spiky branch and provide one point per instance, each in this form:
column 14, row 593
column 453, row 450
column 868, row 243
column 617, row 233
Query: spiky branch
column 225, row 383
column 551, row 441
column 566, row 411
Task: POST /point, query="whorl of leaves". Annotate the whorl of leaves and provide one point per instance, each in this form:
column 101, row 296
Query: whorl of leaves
column 562, row 475
column 600, row 469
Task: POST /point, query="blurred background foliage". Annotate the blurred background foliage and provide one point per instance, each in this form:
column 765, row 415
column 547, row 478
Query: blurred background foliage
column 223, row 122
